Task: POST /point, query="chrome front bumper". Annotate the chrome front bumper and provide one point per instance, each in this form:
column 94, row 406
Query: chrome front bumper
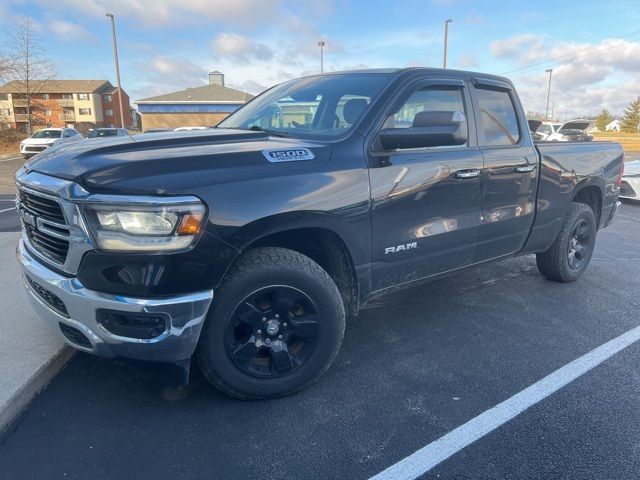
column 184, row 315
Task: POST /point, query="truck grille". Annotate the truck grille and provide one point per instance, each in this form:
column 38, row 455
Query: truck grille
column 42, row 206
column 44, row 225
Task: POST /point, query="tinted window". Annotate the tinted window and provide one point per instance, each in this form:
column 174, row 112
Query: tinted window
column 316, row 107
column 429, row 99
column 498, row 120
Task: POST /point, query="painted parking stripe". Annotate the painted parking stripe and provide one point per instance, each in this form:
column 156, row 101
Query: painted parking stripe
column 438, row 451
column 7, row 209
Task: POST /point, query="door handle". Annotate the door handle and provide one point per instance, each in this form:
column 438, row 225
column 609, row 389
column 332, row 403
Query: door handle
column 525, row 168
column 466, row 174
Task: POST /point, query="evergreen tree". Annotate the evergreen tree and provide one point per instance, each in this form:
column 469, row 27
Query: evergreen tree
column 631, row 118
column 603, row 120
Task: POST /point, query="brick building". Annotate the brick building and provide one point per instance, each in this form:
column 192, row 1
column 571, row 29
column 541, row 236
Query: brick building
column 80, row 104
column 199, row 106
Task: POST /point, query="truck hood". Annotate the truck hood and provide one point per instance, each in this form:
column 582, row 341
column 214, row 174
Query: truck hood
column 576, row 125
column 147, row 163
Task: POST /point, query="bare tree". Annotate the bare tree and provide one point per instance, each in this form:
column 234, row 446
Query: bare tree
column 29, row 66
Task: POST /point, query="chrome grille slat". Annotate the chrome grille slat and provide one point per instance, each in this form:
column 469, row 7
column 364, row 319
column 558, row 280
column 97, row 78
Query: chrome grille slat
column 48, row 214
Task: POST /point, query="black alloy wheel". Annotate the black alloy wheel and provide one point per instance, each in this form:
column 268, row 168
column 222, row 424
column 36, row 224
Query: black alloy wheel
column 272, row 331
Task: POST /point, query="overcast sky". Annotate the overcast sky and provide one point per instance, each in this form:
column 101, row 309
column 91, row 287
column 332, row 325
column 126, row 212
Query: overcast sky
column 167, row 45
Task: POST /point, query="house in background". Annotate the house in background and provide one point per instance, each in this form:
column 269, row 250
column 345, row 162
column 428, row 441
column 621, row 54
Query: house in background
column 198, row 106
column 79, row 104
column 613, row 126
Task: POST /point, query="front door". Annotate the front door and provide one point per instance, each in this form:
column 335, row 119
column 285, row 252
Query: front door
column 425, row 201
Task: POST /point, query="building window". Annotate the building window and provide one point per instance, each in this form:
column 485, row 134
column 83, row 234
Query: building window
column 4, row 96
column 107, row 98
column 4, row 112
column 47, row 112
column 84, row 111
column 45, row 96
column 67, row 96
column 108, row 113
column 83, row 96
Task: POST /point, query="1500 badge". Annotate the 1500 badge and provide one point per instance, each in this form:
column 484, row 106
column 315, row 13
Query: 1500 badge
column 288, row 155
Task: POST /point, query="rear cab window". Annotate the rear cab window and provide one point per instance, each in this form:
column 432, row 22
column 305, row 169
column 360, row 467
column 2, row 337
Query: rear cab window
column 498, row 120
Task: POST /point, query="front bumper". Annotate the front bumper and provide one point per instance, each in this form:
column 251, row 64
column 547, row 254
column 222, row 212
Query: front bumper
column 184, row 315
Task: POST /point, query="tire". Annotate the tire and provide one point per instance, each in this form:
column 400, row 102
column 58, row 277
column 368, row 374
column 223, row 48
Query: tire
column 569, row 255
column 275, row 326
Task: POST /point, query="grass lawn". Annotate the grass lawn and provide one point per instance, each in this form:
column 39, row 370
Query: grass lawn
column 630, row 141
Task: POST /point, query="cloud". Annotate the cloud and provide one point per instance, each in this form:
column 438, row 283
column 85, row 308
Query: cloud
column 474, row 18
column 164, row 74
column 586, row 77
column 249, row 86
column 69, row 32
column 525, row 48
column 154, row 13
column 467, row 61
column 239, row 47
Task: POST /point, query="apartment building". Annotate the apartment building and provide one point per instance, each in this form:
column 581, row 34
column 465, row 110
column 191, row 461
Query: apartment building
column 198, row 106
column 80, row 104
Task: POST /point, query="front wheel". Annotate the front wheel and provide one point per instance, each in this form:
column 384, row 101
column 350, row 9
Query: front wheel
column 274, row 328
column 568, row 257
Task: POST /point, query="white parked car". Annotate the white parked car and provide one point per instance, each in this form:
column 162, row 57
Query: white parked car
column 630, row 187
column 572, row 131
column 48, row 137
column 546, row 129
column 186, row 129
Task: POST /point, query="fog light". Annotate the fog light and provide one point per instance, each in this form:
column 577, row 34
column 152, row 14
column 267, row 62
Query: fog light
column 132, row 325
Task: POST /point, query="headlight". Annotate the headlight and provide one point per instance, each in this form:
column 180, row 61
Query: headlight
column 144, row 228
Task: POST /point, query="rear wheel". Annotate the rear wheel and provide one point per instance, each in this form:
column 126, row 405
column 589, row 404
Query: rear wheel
column 276, row 325
column 568, row 257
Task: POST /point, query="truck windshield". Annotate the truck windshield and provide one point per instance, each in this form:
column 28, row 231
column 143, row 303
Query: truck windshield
column 314, row 107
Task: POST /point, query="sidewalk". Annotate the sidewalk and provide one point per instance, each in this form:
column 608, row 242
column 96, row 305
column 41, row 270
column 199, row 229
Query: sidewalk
column 31, row 353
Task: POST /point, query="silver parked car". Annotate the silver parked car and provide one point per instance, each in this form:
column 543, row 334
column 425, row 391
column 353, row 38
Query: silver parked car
column 630, row 187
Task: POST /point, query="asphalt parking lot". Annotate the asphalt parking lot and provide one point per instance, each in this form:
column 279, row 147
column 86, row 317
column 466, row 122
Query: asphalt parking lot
column 413, row 367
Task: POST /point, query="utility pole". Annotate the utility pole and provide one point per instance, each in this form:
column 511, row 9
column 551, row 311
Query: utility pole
column 546, row 112
column 115, row 56
column 321, row 44
column 446, row 40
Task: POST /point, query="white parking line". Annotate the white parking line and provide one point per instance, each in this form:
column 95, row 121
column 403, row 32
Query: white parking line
column 436, row 452
column 7, row 209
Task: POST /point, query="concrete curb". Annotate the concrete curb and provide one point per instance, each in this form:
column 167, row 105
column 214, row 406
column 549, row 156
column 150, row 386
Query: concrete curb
column 32, row 386
column 5, row 156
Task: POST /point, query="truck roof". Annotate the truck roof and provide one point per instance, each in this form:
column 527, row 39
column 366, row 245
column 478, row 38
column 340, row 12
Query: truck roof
column 400, row 71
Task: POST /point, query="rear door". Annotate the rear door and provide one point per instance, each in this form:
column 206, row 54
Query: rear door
column 425, row 201
column 510, row 175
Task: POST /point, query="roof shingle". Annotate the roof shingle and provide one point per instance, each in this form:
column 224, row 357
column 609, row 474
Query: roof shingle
column 206, row 93
column 59, row 86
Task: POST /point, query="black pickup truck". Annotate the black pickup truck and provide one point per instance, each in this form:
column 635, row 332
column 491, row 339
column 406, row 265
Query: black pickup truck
column 248, row 245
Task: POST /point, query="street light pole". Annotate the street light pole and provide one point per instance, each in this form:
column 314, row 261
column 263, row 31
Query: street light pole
column 115, row 56
column 546, row 112
column 321, row 44
column 446, row 39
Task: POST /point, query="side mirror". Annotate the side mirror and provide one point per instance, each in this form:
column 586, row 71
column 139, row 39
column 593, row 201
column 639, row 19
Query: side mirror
column 429, row 129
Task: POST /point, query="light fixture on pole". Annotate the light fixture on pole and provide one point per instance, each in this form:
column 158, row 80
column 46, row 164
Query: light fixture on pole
column 546, row 112
column 321, row 44
column 115, row 56
column 446, row 40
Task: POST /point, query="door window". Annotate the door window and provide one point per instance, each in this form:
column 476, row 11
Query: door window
column 498, row 119
column 428, row 99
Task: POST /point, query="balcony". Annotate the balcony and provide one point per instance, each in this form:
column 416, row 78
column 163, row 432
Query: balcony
column 21, row 117
column 20, row 102
column 66, row 102
column 68, row 117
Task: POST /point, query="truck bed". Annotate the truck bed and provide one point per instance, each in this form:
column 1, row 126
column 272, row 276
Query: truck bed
column 566, row 168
